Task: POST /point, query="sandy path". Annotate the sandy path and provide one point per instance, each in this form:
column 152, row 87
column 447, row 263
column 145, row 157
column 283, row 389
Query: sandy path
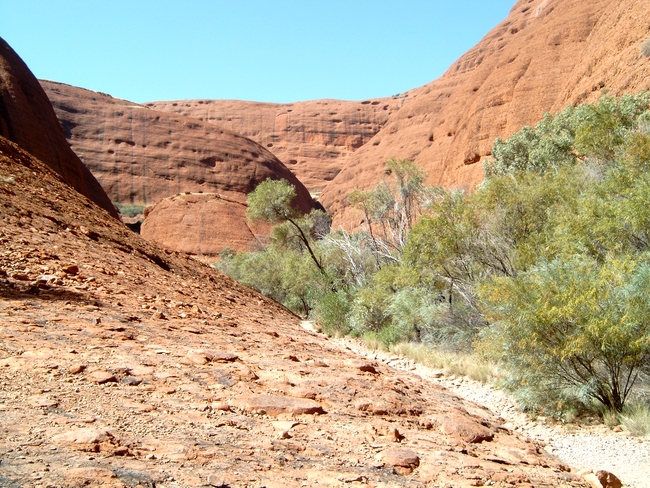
column 589, row 448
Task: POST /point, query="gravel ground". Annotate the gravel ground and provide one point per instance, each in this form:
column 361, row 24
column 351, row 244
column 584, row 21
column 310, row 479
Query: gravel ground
column 584, row 448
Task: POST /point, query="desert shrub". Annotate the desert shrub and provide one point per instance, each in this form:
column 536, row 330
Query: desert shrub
column 574, row 327
column 636, row 419
column 332, row 311
column 645, row 48
column 129, row 210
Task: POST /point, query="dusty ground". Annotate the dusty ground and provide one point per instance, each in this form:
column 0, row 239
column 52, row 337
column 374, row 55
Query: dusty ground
column 582, row 447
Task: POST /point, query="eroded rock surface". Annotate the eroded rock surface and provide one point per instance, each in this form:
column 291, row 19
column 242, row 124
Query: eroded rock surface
column 202, row 224
column 27, row 118
column 211, row 383
column 545, row 55
column 313, row 138
column 141, row 156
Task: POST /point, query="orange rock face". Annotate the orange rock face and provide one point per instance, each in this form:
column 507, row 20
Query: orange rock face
column 201, row 224
column 27, row 118
column 545, row 55
column 141, row 156
column 312, row 138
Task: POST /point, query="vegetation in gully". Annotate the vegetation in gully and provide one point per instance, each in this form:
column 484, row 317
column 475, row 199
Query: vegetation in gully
column 544, row 269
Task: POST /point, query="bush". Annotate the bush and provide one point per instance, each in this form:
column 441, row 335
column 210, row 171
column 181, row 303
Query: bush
column 636, row 419
column 130, row 210
column 332, row 312
column 645, row 48
column 573, row 327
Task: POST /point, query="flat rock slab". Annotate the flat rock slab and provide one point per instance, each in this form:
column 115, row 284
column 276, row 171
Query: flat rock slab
column 403, row 461
column 90, row 474
column 101, row 377
column 464, row 428
column 84, row 436
column 276, row 405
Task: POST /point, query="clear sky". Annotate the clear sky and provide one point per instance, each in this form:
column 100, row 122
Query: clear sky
column 264, row 50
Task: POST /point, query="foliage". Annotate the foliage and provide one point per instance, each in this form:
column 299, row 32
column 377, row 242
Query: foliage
column 391, row 210
column 574, row 324
column 636, row 419
column 543, row 267
column 273, row 202
column 129, row 210
column 645, row 48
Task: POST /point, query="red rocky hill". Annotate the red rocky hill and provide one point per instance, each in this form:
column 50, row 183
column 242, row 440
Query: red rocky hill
column 142, row 156
column 545, row 55
column 27, row 118
column 313, row 138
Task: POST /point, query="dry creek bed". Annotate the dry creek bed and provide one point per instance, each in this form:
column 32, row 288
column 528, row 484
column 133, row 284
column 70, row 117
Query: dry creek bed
column 584, row 448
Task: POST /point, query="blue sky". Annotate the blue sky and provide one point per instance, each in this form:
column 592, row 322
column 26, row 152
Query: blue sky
column 271, row 51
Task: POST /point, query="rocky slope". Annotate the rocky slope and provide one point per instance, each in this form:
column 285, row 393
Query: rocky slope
column 123, row 365
column 544, row 55
column 313, row 138
column 27, row 118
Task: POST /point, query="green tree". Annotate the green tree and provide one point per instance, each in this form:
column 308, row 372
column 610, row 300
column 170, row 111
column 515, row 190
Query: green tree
column 273, row 202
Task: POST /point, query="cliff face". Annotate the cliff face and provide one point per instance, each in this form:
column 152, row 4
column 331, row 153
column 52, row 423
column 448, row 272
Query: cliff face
column 313, row 138
column 544, row 55
column 141, row 156
column 27, row 118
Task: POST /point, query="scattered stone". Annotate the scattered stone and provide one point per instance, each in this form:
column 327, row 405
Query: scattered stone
column 403, row 461
column 131, row 381
column 87, row 439
column 361, row 365
column 71, row 269
column 276, row 405
column 100, row 377
column 43, row 401
column 159, row 315
column 77, row 368
column 464, row 428
column 608, row 480
column 206, row 356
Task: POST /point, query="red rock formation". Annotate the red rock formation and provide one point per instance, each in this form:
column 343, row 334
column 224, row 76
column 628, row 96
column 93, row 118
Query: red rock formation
column 141, row 156
column 313, row 138
column 544, row 55
column 27, row 118
column 201, row 224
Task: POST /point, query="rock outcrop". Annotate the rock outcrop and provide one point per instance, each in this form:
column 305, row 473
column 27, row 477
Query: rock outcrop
column 202, row 224
column 125, row 365
column 545, row 55
column 141, row 156
column 312, row 138
column 27, row 118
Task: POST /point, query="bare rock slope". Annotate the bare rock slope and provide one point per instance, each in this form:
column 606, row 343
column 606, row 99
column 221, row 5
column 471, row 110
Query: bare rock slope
column 313, row 138
column 202, row 224
column 545, row 55
column 141, row 156
column 124, row 365
column 27, row 118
